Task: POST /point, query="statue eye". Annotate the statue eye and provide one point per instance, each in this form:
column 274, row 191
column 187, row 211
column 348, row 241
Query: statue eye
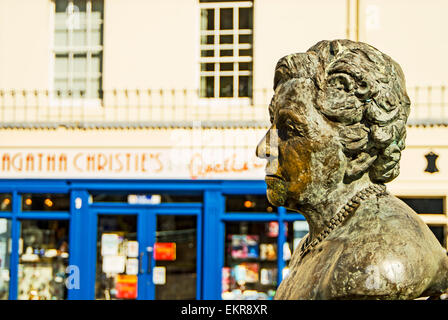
column 289, row 130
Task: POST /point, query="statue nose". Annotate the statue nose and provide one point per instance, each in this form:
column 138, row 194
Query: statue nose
column 268, row 146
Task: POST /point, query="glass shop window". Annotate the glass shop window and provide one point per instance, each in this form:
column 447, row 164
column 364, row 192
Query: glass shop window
column 249, row 203
column 295, row 232
column 117, row 258
column 5, row 250
column 175, row 253
column 145, row 198
column 425, row 205
column 5, row 202
column 45, row 202
column 250, row 262
column 43, row 259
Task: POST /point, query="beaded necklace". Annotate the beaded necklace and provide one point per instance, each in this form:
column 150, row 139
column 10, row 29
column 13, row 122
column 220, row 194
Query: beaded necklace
column 341, row 216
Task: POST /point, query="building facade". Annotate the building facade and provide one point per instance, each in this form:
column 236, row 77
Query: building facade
column 128, row 133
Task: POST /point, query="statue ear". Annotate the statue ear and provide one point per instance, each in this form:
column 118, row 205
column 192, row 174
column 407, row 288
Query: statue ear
column 357, row 166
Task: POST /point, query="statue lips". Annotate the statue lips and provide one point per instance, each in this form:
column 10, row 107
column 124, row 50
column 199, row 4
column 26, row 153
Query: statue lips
column 273, row 177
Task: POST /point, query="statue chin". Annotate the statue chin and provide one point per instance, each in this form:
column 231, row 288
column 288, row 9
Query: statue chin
column 275, row 197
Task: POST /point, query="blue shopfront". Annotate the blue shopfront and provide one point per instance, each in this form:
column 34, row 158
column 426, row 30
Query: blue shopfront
column 142, row 239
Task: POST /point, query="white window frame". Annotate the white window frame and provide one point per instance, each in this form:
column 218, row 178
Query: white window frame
column 70, row 49
column 216, row 47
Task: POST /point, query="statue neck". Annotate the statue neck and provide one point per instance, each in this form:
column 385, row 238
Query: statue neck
column 318, row 215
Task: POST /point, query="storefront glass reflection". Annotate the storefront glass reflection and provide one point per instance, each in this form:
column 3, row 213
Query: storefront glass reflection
column 117, row 257
column 250, row 269
column 296, row 231
column 5, row 250
column 175, row 258
column 43, row 252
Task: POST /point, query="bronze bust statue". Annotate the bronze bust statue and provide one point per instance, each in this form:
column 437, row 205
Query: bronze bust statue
column 338, row 118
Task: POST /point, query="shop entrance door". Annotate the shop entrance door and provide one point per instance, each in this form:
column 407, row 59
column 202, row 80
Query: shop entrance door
column 148, row 252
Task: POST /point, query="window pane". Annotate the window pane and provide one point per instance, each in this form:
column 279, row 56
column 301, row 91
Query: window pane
column 80, row 65
column 226, row 19
column 96, row 63
column 250, row 262
column 207, row 39
column 439, row 232
column 295, row 232
column 180, row 272
column 76, row 14
column 5, row 202
column 245, row 66
column 116, row 233
column 249, row 203
column 79, row 37
column 61, row 65
column 207, row 53
column 207, row 67
column 61, row 5
column 61, row 38
column 425, row 205
column 245, row 52
column 43, row 260
column 96, row 37
column 245, row 18
column 245, row 86
column 245, row 38
column 5, row 240
column 207, row 19
column 97, row 5
column 97, row 9
column 226, row 66
column 207, row 87
column 226, row 39
column 80, row 5
column 47, row 202
column 226, row 86
column 226, row 53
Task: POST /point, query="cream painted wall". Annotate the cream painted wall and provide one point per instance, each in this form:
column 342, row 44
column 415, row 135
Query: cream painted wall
column 155, row 44
column 151, row 44
column 25, row 44
column 413, row 33
column 283, row 27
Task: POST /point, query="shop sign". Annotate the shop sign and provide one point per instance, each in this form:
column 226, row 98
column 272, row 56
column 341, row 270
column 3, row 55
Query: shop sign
column 126, row 286
column 139, row 163
column 165, row 251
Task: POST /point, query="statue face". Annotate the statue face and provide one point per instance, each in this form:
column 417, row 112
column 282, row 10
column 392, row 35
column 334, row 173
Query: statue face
column 305, row 159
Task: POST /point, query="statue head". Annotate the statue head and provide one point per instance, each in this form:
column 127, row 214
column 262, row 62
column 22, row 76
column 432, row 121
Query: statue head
column 338, row 115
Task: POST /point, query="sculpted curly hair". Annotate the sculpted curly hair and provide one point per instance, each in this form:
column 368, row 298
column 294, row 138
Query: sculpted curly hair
column 363, row 92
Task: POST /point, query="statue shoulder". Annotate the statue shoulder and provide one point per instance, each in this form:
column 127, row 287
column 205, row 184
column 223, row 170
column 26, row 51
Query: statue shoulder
column 389, row 253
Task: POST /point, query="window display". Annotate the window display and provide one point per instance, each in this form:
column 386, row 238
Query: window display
column 249, row 203
column 5, row 250
column 43, row 254
column 117, row 257
column 296, row 230
column 175, row 258
column 5, row 202
column 45, row 202
column 250, row 270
